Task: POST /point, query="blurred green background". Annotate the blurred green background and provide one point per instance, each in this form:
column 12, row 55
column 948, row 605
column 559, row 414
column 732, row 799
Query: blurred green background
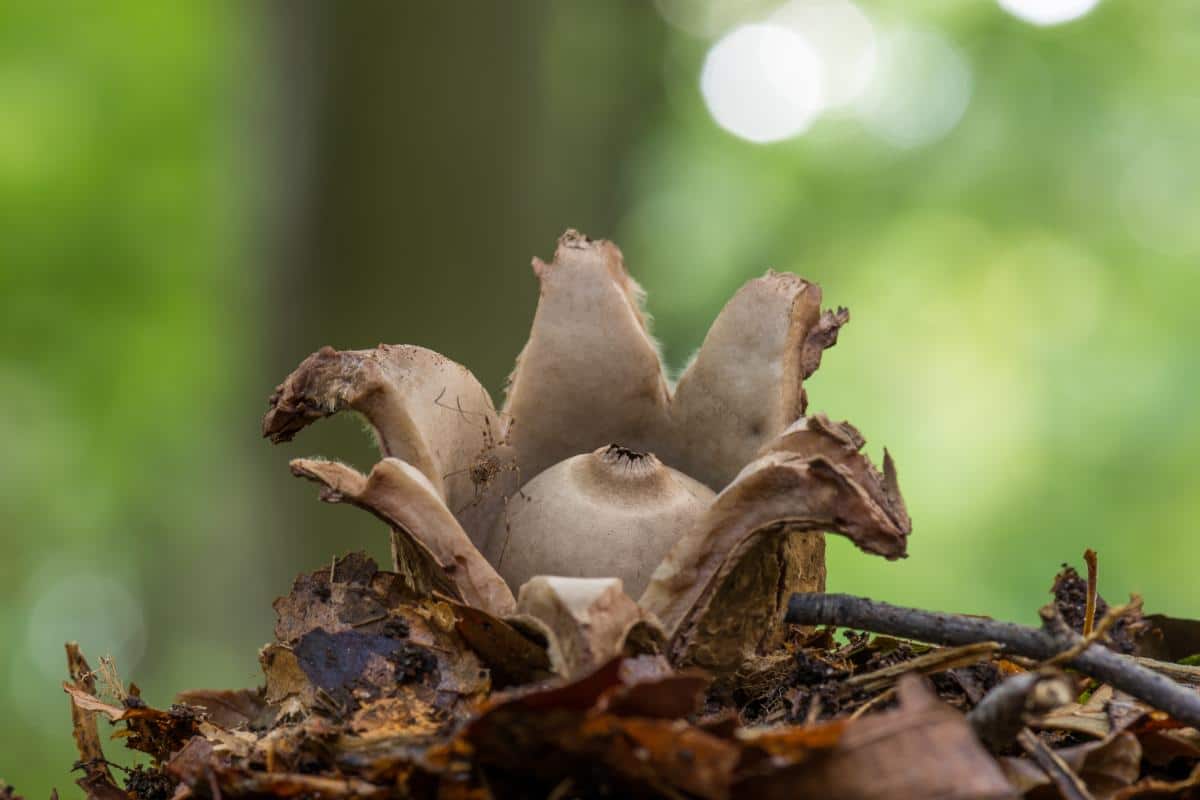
column 194, row 197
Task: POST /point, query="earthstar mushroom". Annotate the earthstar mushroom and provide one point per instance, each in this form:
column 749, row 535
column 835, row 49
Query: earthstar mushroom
column 707, row 500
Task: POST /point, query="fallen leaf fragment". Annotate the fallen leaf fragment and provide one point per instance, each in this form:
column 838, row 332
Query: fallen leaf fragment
column 229, row 708
column 150, row 730
column 923, row 749
column 1158, row 789
column 1105, row 766
column 512, row 655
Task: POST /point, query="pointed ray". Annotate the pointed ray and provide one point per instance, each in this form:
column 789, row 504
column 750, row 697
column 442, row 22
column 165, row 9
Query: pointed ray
column 746, row 383
column 590, row 375
column 425, row 409
column 403, row 497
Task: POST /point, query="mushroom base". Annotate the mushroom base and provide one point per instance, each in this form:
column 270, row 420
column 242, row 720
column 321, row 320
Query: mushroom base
column 745, row 618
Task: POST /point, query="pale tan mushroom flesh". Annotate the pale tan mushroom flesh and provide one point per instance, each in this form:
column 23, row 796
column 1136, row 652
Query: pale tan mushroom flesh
column 611, row 513
column 528, row 486
column 400, row 495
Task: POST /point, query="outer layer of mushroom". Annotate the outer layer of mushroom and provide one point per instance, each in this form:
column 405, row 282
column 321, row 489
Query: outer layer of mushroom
column 708, row 499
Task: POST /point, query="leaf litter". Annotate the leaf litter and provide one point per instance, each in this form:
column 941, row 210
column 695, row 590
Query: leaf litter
column 372, row 689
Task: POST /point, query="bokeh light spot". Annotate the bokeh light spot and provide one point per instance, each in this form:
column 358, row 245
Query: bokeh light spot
column 708, row 18
column 1048, row 12
column 94, row 608
column 762, row 83
column 842, row 37
column 921, row 89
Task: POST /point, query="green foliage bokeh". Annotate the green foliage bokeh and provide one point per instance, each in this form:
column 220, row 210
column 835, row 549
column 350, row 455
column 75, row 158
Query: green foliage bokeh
column 1023, row 333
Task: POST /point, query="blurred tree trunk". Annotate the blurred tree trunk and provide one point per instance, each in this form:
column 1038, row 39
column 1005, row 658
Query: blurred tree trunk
column 422, row 153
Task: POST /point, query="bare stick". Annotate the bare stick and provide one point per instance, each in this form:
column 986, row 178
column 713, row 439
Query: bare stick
column 1058, row 771
column 1096, row 634
column 1015, row 702
column 1122, row 672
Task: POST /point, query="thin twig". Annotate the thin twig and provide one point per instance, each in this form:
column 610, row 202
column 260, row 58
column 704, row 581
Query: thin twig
column 1096, row 634
column 874, row 701
column 1120, row 671
column 1069, row 784
column 937, row 661
column 1180, row 673
column 1015, row 702
column 1089, row 609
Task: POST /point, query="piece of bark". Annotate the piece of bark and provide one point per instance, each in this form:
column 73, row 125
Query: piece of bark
column 1180, row 673
column 399, row 494
column 97, row 781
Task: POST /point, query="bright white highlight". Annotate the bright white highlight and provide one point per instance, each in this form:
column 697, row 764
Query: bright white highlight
column 921, row 89
column 842, row 37
column 1048, row 12
column 708, row 18
column 92, row 607
column 762, row 83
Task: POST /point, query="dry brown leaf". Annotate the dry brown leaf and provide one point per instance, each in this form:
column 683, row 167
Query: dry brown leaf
column 229, row 708
column 1159, row 789
column 361, row 637
column 658, row 753
column 513, row 657
column 923, row 749
column 150, row 730
column 666, row 696
column 1106, row 766
column 1169, row 639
